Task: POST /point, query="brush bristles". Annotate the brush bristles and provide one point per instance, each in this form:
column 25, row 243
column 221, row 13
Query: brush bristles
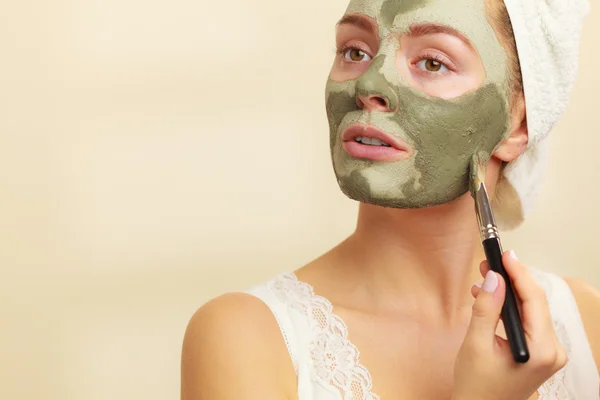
column 477, row 174
column 507, row 206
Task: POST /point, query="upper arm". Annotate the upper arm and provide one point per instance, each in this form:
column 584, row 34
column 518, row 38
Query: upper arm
column 233, row 349
column 588, row 302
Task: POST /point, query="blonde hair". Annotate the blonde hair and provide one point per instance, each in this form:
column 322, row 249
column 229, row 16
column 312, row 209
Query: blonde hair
column 503, row 26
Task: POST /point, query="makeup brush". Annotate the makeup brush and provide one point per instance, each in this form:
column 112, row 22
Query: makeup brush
column 493, row 252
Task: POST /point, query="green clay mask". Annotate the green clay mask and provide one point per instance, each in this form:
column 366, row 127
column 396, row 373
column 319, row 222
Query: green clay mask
column 443, row 134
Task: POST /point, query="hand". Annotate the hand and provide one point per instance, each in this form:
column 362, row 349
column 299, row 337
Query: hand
column 485, row 368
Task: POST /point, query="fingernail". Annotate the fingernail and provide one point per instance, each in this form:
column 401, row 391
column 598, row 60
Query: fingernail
column 490, row 283
column 512, row 255
column 478, row 284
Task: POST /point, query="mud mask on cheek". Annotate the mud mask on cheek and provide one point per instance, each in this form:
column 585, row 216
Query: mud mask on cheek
column 443, row 134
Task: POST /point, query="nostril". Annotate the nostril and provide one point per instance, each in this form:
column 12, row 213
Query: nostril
column 373, row 103
column 380, row 101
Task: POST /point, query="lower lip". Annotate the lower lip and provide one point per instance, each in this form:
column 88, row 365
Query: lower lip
column 376, row 153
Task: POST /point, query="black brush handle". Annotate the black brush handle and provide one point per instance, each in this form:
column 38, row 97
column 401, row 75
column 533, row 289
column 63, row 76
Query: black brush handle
column 510, row 311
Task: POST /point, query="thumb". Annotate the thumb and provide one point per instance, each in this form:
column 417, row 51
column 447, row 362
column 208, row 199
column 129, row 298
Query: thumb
column 487, row 308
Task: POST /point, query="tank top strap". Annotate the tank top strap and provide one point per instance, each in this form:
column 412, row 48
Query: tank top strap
column 281, row 313
column 579, row 378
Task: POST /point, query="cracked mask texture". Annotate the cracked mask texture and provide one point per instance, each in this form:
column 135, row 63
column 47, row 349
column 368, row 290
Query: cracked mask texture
column 444, row 134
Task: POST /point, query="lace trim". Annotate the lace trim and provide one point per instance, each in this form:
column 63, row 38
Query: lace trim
column 335, row 358
column 554, row 388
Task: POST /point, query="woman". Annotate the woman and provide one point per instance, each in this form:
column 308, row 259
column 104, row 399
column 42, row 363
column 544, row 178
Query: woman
column 417, row 88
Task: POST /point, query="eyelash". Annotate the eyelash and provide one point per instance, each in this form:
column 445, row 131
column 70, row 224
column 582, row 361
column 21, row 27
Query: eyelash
column 435, row 57
column 342, row 50
column 427, row 56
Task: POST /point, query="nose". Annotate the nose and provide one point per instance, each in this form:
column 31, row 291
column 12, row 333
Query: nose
column 374, row 102
column 373, row 91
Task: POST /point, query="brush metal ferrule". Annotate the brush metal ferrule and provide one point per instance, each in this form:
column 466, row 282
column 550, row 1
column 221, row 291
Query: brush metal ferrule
column 485, row 216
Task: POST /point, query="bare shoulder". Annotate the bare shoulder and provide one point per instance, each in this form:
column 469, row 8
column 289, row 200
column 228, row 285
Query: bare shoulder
column 588, row 302
column 233, row 349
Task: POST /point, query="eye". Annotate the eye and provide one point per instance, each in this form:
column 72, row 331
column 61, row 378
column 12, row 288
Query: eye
column 432, row 65
column 355, row 55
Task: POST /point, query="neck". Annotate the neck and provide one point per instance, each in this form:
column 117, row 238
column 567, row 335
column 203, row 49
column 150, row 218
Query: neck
column 417, row 259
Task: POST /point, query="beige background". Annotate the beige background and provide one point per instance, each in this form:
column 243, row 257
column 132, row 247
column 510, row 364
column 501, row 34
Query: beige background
column 154, row 154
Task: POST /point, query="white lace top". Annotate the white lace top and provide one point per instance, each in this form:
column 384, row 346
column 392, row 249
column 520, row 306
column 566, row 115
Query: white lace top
column 328, row 366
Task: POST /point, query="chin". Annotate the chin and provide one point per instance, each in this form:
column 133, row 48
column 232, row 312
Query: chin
column 358, row 188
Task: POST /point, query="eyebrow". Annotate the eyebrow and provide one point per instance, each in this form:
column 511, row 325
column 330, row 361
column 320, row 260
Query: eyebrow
column 432, row 29
column 357, row 21
column 415, row 30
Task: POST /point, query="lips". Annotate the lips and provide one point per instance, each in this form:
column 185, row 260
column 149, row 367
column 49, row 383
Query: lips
column 397, row 149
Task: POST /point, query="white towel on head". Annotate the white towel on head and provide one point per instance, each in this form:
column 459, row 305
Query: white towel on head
column 547, row 33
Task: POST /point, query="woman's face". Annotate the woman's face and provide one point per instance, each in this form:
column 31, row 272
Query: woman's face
column 417, row 88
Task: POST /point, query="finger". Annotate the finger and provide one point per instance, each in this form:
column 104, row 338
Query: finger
column 500, row 330
column 522, row 281
column 484, row 267
column 503, row 343
column 475, row 289
column 535, row 309
column 486, row 311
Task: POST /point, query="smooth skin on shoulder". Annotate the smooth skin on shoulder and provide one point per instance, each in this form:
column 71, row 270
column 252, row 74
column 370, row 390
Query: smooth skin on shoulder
column 233, row 349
